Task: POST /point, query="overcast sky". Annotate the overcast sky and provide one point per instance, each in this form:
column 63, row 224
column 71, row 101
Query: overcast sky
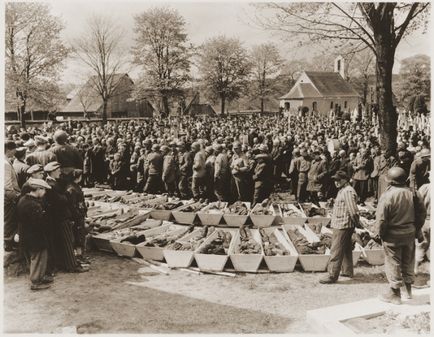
column 204, row 20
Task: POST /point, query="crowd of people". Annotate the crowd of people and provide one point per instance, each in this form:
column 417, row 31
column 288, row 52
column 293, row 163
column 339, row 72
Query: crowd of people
column 205, row 158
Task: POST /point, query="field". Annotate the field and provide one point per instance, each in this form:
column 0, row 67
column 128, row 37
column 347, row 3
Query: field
column 120, row 295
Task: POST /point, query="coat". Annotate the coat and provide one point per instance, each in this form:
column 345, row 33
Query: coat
column 362, row 168
column 185, row 163
column 221, row 166
column 263, row 169
column 199, row 169
column 317, row 171
column 68, row 156
column 32, row 224
column 169, row 169
column 21, row 171
column 155, row 163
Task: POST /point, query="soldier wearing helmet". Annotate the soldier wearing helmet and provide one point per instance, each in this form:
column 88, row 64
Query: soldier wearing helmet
column 399, row 218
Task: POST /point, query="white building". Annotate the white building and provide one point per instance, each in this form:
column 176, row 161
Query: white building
column 322, row 92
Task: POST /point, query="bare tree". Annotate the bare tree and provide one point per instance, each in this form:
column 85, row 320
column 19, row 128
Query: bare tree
column 163, row 52
column 34, row 56
column 267, row 63
column 100, row 48
column 377, row 26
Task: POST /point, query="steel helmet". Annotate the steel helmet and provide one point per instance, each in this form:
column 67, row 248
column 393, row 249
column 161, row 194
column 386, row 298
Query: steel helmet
column 396, row 176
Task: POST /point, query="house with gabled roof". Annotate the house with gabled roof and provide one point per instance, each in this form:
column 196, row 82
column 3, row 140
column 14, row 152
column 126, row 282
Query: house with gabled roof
column 322, row 92
column 86, row 100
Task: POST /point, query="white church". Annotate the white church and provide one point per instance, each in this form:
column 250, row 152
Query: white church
column 321, row 92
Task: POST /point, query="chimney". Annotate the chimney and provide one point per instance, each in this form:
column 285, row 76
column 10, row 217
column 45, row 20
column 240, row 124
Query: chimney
column 340, row 66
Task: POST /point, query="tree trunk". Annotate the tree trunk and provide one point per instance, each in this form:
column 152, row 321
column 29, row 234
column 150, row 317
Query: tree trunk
column 262, row 105
column 104, row 112
column 223, row 102
column 22, row 116
column 387, row 117
column 165, row 101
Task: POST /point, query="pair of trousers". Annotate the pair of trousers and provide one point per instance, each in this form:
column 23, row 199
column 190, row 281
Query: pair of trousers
column 198, row 186
column 242, row 189
column 184, row 188
column 399, row 262
column 153, row 184
column 422, row 247
column 10, row 221
column 341, row 253
column 361, row 187
column 38, row 265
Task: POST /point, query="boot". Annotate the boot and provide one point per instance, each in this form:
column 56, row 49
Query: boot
column 39, row 286
column 392, row 296
column 408, row 291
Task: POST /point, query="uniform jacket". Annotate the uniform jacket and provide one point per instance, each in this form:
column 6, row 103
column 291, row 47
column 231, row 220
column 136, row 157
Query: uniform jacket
column 68, row 156
column 78, row 205
column 155, row 163
column 199, row 164
column 169, row 168
column 419, row 172
column 239, row 165
column 32, row 223
column 186, row 163
column 221, row 166
column 395, row 217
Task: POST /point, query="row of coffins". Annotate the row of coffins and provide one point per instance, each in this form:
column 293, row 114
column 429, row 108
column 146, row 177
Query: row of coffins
column 181, row 232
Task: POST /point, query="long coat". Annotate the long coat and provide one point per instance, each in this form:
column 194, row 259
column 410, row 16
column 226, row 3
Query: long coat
column 317, row 171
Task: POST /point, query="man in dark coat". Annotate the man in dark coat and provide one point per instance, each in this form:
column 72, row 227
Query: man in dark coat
column 20, row 165
column 263, row 176
column 33, row 228
column 154, row 170
column 185, row 160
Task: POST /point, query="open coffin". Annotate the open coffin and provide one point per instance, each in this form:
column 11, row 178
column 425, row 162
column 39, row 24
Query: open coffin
column 246, row 262
column 281, row 263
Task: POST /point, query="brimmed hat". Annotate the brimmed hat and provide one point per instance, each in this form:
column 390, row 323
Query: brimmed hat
column 38, row 183
column 50, row 167
column 35, row 168
column 341, row 175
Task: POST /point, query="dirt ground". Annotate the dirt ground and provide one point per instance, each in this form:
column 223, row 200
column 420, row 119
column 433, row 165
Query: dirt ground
column 119, row 295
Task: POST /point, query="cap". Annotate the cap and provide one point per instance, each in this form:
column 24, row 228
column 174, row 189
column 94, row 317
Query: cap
column 164, row 148
column 155, row 147
column 217, row 147
column 209, row 149
column 35, row 168
column 51, row 166
column 20, row 150
column 39, row 183
column 29, row 143
column 340, row 175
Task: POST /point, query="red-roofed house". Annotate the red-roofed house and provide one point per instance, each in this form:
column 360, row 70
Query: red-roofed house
column 322, row 92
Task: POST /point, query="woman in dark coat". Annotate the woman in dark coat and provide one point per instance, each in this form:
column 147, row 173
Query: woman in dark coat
column 60, row 222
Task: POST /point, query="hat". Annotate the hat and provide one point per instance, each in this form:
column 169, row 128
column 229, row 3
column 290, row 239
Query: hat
column 209, row 149
column 39, row 140
column 164, row 148
column 51, row 166
column 155, row 147
column 263, row 148
column 341, row 175
column 38, row 183
column 425, row 153
column 35, row 168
